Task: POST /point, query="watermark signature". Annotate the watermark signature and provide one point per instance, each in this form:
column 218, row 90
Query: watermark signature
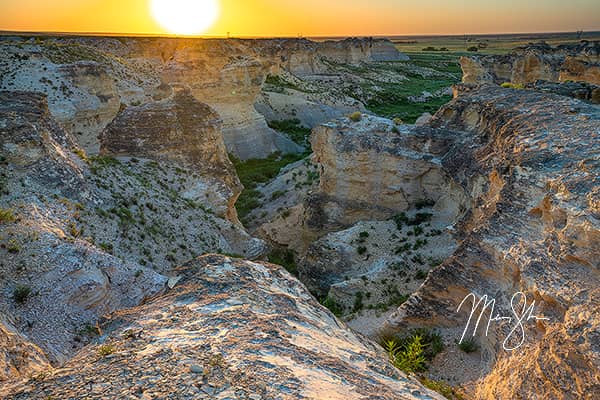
column 521, row 311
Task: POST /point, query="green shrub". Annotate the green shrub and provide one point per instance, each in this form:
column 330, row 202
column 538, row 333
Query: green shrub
column 333, row 306
column 6, row 216
column 468, row 346
column 21, row 293
column 510, row 85
column 363, row 234
column 355, row 116
column 293, row 128
column 361, row 250
column 80, row 153
column 358, row 302
column 473, row 48
column 420, row 274
column 105, row 350
column 398, row 121
column 442, row 388
column 408, row 356
column 420, row 204
column 254, row 172
column 286, row 258
column 13, row 246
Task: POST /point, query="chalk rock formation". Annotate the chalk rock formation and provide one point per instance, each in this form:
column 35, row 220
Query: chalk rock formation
column 19, row 357
column 580, row 62
column 64, row 284
column 179, row 130
column 372, row 170
column 87, row 79
column 579, row 90
column 228, row 329
column 529, row 163
column 82, row 94
column 82, row 237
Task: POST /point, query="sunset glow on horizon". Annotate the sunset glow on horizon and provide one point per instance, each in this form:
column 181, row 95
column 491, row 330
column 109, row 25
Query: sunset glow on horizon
column 293, row 18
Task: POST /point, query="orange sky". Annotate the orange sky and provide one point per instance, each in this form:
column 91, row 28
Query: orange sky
column 313, row 17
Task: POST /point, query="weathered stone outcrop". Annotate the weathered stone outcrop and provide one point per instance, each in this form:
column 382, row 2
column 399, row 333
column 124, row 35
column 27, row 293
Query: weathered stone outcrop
column 579, row 62
column 82, row 237
column 82, row 93
column 529, row 162
column 19, row 357
column 87, row 79
column 65, row 284
column 184, row 131
column 228, row 329
column 372, row 170
column 579, row 90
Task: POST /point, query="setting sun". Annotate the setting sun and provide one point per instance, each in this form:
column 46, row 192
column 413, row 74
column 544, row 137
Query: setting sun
column 185, row 17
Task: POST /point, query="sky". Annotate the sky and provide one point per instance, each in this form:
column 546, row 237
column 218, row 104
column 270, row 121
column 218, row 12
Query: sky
column 312, row 17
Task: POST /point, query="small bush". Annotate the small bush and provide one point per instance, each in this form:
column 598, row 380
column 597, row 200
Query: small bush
column 333, row 306
column 473, row 48
column 409, row 356
column 468, row 346
column 361, row 250
column 80, row 153
column 420, row 204
column 509, row 85
column 420, row 274
column 286, row 258
column 7, row 216
column 355, row 116
column 443, row 388
column 398, row 121
column 105, row 350
column 363, row 234
column 13, row 246
column 21, row 293
column 358, row 302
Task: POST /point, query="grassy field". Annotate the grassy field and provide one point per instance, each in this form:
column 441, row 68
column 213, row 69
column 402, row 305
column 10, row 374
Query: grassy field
column 486, row 44
column 425, row 72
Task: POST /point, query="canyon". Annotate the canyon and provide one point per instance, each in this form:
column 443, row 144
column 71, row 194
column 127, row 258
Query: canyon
column 129, row 270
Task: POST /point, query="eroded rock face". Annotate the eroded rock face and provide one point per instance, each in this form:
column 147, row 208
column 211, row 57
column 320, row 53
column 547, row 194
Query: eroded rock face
column 580, row 62
column 529, row 164
column 87, row 79
column 19, row 357
column 372, row 170
column 83, row 237
column 179, row 130
column 229, row 329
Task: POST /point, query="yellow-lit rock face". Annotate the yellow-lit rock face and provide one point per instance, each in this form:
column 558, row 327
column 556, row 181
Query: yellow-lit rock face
column 532, row 229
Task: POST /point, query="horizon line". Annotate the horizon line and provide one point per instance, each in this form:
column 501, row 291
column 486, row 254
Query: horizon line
column 263, row 36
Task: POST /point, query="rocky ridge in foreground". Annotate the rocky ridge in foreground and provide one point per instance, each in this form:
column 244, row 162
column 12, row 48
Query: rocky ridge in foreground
column 229, row 329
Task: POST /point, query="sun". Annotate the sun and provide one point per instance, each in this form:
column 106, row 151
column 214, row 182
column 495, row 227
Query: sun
column 185, row 17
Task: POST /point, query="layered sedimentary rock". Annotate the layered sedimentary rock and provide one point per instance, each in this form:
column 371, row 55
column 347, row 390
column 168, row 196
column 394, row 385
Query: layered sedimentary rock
column 180, row 130
column 529, row 163
column 579, row 62
column 82, row 237
column 372, row 170
column 87, row 79
column 63, row 284
column 82, row 94
column 579, row 90
column 228, row 329
column 19, row 357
